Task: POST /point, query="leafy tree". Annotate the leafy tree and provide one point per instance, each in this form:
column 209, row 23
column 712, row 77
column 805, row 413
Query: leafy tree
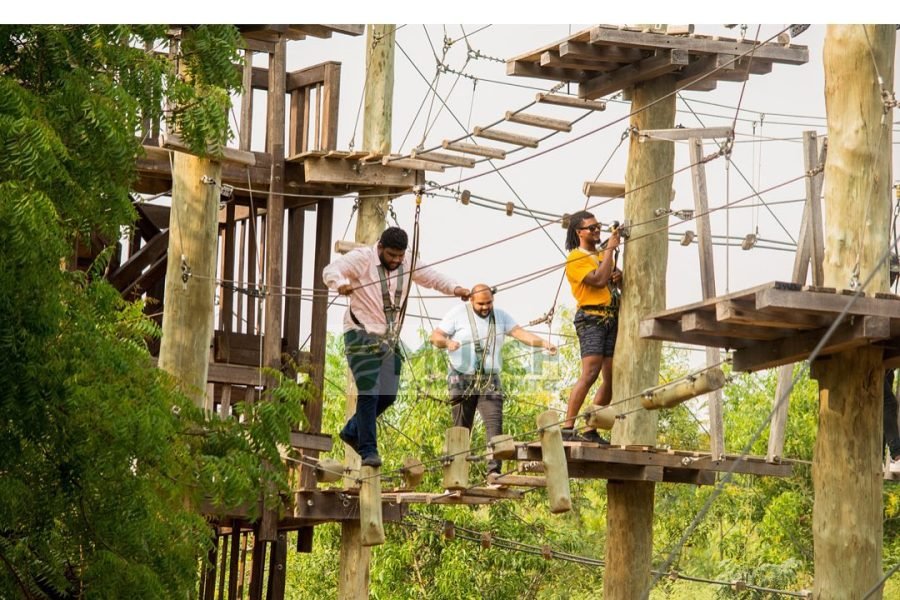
column 101, row 459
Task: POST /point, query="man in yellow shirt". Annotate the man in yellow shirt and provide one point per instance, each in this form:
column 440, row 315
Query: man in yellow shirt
column 595, row 281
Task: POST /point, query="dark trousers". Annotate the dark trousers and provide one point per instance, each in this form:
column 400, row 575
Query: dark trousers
column 376, row 369
column 468, row 393
column 891, row 430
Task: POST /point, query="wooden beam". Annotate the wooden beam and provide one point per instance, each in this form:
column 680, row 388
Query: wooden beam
column 306, row 440
column 583, row 470
column 707, row 324
column 795, row 55
column 743, row 312
column 552, row 58
column 685, row 133
column 659, row 329
column 607, row 54
column 411, row 164
column 505, row 137
column 603, row 189
column 570, row 101
column 474, row 149
column 323, row 507
column 828, row 304
column 765, row 355
column 139, row 261
column 649, row 68
column 331, row 171
column 172, row 141
column 343, row 246
column 539, row 121
column 535, row 71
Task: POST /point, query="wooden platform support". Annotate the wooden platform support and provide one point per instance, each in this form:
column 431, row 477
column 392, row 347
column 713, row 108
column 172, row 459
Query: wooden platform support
column 456, row 467
column 673, row 394
column 370, row 507
column 554, row 459
column 846, row 470
column 629, row 551
column 707, row 283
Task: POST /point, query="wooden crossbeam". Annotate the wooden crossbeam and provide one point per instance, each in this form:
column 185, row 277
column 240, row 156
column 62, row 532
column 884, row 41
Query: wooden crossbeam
column 539, row 121
column 535, row 71
column 551, row 58
column 447, row 159
column 607, row 54
column 311, row 441
column 706, row 69
column 743, row 312
column 327, row 170
column 570, row 101
column 474, row 149
column 149, row 253
column 705, row 323
column 659, row 329
column 505, row 137
column 764, row 355
column 603, row 189
column 684, row 133
column 826, row 303
column 233, row 155
column 343, row 246
column 664, row 62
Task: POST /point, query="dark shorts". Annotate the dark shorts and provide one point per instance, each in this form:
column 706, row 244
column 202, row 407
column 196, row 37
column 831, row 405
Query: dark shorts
column 596, row 335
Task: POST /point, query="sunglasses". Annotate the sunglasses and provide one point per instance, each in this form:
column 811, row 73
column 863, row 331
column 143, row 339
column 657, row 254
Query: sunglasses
column 592, row 228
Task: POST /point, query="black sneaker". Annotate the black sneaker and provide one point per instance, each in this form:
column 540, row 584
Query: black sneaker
column 348, row 440
column 593, row 436
column 570, row 435
column 372, row 460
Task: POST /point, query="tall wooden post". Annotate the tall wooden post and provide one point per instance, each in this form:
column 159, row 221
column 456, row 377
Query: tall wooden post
column 810, row 249
column 353, row 582
column 636, row 362
column 193, row 241
column 847, row 477
column 708, row 283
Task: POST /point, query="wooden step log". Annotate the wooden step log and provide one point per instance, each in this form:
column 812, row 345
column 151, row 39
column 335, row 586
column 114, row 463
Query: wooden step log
column 684, row 133
column 456, row 467
column 518, row 481
column 677, row 392
column 503, row 447
column 412, row 473
column 539, row 121
column 505, row 137
column 570, row 101
column 344, row 246
column 603, row 189
column 447, row 159
column 329, row 470
column 474, row 149
column 556, row 469
column 370, row 511
column 411, row 164
column 602, row 418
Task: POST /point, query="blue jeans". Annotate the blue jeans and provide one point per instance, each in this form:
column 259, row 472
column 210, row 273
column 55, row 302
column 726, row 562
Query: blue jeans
column 376, row 369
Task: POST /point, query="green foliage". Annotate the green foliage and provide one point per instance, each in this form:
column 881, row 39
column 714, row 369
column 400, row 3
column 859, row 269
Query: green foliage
column 102, row 461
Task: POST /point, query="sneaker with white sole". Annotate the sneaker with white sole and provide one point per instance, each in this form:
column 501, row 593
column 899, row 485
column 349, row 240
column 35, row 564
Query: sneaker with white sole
column 894, row 467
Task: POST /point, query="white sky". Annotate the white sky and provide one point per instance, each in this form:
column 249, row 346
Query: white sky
column 779, row 105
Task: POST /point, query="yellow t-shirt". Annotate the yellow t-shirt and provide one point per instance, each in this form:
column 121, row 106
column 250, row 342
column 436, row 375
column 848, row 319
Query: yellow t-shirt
column 578, row 264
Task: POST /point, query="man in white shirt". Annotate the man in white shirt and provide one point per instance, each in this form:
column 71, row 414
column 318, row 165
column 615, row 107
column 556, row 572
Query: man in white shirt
column 473, row 335
column 377, row 280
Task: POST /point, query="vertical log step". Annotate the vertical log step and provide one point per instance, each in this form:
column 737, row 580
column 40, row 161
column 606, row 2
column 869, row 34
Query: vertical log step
column 556, row 469
column 456, row 467
column 370, row 517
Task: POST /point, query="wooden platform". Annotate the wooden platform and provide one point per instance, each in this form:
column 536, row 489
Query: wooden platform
column 643, row 463
column 605, row 59
column 781, row 323
column 357, row 171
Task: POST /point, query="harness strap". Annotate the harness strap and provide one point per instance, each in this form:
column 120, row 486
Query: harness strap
column 391, row 306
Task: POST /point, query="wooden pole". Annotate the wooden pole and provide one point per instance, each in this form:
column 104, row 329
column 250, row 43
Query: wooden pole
column 456, row 467
column 847, row 471
column 636, row 361
column 708, row 284
column 556, row 469
column 193, row 241
column 370, row 518
column 353, row 581
column 808, row 250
